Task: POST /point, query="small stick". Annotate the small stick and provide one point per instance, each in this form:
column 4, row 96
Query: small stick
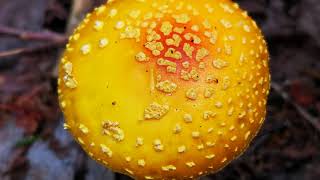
column 311, row 119
column 37, row 36
column 54, row 39
column 25, row 50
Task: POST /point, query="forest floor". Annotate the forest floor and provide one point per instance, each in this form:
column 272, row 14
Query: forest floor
column 34, row 145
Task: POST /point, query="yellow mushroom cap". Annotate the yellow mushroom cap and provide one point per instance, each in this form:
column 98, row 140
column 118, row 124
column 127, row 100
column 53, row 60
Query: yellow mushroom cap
column 162, row 89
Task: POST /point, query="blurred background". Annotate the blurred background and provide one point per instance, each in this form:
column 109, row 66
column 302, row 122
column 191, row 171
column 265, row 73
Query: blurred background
column 34, row 146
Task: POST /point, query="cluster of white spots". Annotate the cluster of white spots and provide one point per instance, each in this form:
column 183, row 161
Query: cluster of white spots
column 178, row 30
column 226, row 82
column 188, row 49
column 166, row 28
column 218, row 104
column 184, row 74
column 195, row 28
column 171, row 69
column 194, row 74
column 101, row 9
column 164, row 62
column 210, row 144
column 106, row 150
column 130, row 32
column 152, row 36
column 230, row 111
column 206, row 24
column 69, row 48
column 155, row 111
column 210, row 156
column 200, row 147
column 212, row 35
column 192, row 94
column 177, row 129
column 168, row 168
column 66, row 126
column 157, row 145
column 68, row 67
column 172, row 53
column 171, row 66
column 227, row 49
column 83, row 129
column 63, row 104
column 142, row 57
column 113, row 130
column 182, row 149
column 166, row 86
column 190, row 164
column 219, row 63
column 85, row 49
column 226, row 23
column 210, row 79
column 68, row 78
column 119, row 25
column 187, row 118
column 128, row 158
column 233, row 138
column 208, row 114
column 226, row 8
column 126, row 169
column 80, row 140
column 76, row 36
column 139, row 141
column 98, row 25
column 86, row 20
column 193, row 38
column 141, row 162
column 247, row 135
column 154, row 47
column 224, row 160
column 242, row 115
column 103, row 42
column 195, row 134
column 208, row 92
column 201, row 53
column 113, row 13
column 174, row 41
column 182, row 18
column 246, row 28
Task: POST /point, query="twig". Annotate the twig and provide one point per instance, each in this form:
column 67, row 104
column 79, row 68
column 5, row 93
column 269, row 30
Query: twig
column 53, row 38
column 37, row 36
column 304, row 113
column 26, row 50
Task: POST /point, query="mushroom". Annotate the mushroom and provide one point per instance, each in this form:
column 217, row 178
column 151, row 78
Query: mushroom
column 165, row 89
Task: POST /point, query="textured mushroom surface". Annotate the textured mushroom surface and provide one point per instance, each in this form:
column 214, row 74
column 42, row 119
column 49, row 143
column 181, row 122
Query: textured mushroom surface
column 163, row 89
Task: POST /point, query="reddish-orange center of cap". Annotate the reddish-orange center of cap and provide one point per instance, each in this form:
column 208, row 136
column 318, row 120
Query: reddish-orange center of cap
column 177, row 49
